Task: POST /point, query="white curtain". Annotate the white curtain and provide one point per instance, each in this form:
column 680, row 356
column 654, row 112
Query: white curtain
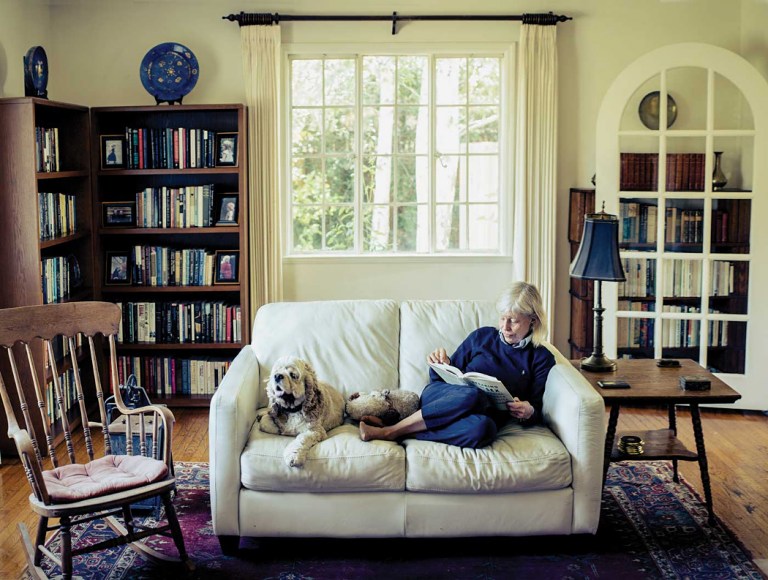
column 536, row 160
column 261, row 71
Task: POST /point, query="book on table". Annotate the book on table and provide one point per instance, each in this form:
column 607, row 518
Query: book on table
column 491, row 385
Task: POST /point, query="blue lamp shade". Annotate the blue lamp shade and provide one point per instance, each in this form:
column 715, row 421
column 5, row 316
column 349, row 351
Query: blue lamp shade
column 598, row 255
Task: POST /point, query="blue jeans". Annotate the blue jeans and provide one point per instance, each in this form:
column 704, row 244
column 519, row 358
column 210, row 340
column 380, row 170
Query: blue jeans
column 457, row 415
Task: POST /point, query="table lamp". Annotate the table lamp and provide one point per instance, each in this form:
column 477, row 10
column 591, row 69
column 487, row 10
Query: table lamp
column 598, row 260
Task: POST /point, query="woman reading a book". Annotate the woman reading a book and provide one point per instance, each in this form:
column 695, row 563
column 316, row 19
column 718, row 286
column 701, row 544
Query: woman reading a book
column 463, row 415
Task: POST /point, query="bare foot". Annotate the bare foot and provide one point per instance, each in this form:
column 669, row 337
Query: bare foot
column 372, row 420
column 372, row 433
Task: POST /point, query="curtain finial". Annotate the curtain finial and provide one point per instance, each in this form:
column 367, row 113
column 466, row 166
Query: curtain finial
column 548, row 19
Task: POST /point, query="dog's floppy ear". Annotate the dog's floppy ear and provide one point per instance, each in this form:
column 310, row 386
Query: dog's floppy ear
column 313, row 398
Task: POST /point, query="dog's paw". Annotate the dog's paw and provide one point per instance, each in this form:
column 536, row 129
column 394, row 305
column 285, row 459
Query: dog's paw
column 294, row 457
column 267, row 424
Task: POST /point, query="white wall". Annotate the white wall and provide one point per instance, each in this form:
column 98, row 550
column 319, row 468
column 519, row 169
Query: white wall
column 95, row 47
column 23, row 24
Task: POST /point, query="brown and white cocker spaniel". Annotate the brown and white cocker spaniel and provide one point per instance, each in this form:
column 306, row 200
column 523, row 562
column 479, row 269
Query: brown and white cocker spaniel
column 300, row 405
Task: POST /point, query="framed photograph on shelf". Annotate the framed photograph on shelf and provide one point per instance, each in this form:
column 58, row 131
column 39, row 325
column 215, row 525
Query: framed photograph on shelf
column 118, row 214
column 226, row 149
column 112, row 152
column 226, row 264
column 226, row 210
column 117, row 269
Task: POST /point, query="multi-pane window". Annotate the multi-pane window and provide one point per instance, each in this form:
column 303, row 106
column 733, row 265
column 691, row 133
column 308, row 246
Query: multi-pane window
column 395, row 154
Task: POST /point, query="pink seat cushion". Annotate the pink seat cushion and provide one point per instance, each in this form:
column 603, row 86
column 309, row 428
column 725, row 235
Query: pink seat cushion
column 109, row 474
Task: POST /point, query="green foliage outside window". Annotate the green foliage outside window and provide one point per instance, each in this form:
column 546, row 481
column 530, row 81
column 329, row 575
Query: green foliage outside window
column 401, row 96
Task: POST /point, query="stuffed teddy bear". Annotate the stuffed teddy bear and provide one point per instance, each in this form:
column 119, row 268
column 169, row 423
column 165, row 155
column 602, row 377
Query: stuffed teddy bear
column 387, row 406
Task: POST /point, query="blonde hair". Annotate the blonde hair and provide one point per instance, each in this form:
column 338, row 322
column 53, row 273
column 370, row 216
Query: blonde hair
column 524, row 298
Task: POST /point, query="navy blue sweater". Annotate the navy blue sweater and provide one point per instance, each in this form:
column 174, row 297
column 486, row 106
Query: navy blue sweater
column 522, row 370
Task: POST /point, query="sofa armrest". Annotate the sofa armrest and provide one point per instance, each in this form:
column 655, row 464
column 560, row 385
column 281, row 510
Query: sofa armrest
column 232, row 414
column 576, row 414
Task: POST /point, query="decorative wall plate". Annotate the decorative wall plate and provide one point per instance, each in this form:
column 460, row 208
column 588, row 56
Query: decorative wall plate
column 649, row 110
column 36, row 73
column 169, row 71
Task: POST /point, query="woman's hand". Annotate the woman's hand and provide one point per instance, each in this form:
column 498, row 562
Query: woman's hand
column 521, row 410
column 438, row 356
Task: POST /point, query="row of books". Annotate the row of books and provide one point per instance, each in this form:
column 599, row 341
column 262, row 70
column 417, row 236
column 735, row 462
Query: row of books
column 170, row 148
column 641, row 278
column 175, row 207
column 717, row 333
column 68, row 388
column 634, row 332
column 636, row 306
column 56, row 278
column 638, row 222
column 58, row 215
column 167, row 376
column 640, row 172
column 162, row 266
column 179, row 322
column 681, row 278
column 684, row 226
column 731, row 221
column 46, row 149
column 680, row 333
column 722, row 278
column 638, row 333
column 681, row 308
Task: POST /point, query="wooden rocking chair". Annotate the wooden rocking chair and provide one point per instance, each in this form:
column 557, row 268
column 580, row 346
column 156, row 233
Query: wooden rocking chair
column 39, row 345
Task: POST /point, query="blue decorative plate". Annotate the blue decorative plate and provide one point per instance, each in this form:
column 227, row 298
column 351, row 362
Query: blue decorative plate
column 169, row 71
column 36, row 72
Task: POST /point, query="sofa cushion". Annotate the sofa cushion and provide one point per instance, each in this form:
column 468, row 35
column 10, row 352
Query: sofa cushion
column 427, row 325
column 340, row 463
column 520, row 459
column 352, row 344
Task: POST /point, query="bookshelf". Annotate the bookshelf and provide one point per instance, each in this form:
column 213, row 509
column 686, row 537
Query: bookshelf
column 581, row 202
column 689, row 243
column 165, row 245
column 45, row 193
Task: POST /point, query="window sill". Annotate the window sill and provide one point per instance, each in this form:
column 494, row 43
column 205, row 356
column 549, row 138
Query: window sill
column 400, row 259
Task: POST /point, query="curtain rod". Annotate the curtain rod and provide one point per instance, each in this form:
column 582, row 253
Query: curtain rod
column 265, row 18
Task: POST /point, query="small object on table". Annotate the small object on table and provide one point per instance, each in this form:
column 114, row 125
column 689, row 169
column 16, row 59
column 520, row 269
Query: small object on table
column 617, row 384
column 668, row 363
column 695, row 383
column 631, row 445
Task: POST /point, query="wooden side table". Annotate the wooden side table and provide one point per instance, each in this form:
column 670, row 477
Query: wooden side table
column 651, row 385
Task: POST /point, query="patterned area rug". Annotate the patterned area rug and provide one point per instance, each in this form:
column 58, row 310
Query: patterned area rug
column 650, row 527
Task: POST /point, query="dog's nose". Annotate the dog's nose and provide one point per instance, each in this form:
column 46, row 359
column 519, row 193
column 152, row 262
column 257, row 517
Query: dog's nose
column 278, row 377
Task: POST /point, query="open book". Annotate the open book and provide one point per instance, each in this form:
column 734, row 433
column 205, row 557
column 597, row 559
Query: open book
column 491, row 385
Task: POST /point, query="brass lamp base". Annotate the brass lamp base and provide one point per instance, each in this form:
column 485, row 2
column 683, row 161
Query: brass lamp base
column 598, row 363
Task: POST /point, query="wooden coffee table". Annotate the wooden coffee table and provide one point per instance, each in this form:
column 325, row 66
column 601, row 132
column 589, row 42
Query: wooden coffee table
column 653, row 386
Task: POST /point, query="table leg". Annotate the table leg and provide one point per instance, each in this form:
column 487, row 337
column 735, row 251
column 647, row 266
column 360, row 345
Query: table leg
column 610, row 437
column 673, row 427
column 698, row 434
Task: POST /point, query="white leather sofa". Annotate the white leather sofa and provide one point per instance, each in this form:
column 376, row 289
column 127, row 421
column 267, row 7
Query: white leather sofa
column 540, row 480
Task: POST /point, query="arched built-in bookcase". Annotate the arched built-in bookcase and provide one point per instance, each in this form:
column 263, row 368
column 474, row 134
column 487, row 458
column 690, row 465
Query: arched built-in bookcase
column 695, row 253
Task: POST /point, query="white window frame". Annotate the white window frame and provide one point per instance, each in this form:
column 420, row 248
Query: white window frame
column 506, row 150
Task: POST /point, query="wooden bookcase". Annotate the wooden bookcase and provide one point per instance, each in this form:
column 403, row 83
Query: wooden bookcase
column 143, row 176
column 581, row 202
column 67, row 251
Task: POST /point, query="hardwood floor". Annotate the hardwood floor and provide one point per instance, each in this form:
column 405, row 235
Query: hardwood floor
column 737, row 448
